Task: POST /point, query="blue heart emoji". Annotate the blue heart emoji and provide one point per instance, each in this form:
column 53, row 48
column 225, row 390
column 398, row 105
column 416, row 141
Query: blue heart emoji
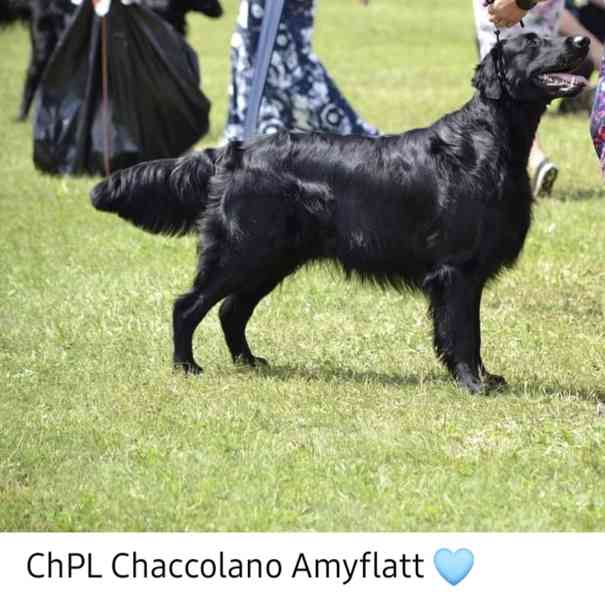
column 454, row 566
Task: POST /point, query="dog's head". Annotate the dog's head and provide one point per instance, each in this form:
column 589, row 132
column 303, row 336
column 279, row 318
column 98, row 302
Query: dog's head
column 532, row 68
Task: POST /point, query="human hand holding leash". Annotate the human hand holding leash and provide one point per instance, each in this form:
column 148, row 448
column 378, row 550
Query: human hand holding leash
column 506, row 13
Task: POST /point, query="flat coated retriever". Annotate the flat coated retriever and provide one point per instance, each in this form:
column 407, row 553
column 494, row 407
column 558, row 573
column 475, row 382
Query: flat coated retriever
column 441, row 209
column 48, row 20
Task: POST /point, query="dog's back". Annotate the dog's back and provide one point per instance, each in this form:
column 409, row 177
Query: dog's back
column 387, row 208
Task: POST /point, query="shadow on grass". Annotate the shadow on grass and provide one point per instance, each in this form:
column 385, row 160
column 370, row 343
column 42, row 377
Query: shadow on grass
column 329, row 373
column 537, row 388
column 326, row 374
column 581, row 195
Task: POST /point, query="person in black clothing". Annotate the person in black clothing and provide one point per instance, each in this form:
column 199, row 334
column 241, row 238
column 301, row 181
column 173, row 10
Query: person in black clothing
column 48, row 20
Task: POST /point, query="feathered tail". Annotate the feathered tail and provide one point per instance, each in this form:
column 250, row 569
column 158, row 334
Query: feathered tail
column 161, row 196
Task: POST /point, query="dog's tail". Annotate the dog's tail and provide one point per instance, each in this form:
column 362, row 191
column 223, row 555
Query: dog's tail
column 161, row 196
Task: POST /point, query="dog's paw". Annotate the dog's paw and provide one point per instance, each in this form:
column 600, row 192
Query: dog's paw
column 474, row 386
column 260, row 362
column 250, row 361
column 493, row 382
column 189, row 368
column 470, row 382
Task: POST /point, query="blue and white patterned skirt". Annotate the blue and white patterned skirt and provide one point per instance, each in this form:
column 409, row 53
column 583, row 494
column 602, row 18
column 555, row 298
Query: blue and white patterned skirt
column 299, row 93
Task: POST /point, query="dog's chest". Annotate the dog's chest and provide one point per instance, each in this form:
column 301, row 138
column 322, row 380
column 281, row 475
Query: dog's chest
column 507, row 220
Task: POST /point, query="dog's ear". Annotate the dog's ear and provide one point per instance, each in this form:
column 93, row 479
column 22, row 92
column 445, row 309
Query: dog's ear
column 486, row 77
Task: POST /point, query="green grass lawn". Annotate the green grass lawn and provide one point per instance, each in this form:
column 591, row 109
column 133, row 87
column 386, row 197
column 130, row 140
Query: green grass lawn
column 356, row 426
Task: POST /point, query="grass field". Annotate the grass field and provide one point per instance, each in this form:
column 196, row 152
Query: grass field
column 356, row 426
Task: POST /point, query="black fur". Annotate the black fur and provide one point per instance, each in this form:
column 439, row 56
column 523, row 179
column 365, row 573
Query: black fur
column 48, row 20
column 161, row 196
column 442, row 209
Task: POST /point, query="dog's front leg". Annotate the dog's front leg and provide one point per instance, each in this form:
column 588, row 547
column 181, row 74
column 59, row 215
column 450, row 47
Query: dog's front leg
column 491, row 380
column 455, row 313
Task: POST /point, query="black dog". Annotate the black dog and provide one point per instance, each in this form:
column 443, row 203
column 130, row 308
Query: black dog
column 48, row 20
column 442, row 209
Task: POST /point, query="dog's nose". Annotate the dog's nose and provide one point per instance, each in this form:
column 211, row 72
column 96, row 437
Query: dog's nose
column 580, row 41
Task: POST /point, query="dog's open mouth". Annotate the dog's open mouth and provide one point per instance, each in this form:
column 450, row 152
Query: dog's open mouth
column 561, row 80
column 562, row 83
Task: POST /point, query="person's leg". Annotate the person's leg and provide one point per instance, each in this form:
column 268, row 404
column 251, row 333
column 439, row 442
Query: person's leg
column 545, row 19
column 542, row 171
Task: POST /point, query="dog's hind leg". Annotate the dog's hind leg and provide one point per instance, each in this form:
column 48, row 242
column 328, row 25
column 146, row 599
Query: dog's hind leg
column 454, row 310
column 223, row 273
column 492, row 381
column 235, row 312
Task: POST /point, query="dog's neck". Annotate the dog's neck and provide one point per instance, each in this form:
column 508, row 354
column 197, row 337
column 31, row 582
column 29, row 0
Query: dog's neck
column 517, row 124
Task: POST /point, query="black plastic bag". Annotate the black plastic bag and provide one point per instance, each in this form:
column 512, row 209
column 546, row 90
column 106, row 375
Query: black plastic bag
column 152, row 108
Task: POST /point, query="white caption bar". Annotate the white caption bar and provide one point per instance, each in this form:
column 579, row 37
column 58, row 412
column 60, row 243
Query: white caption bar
column 268, row 566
